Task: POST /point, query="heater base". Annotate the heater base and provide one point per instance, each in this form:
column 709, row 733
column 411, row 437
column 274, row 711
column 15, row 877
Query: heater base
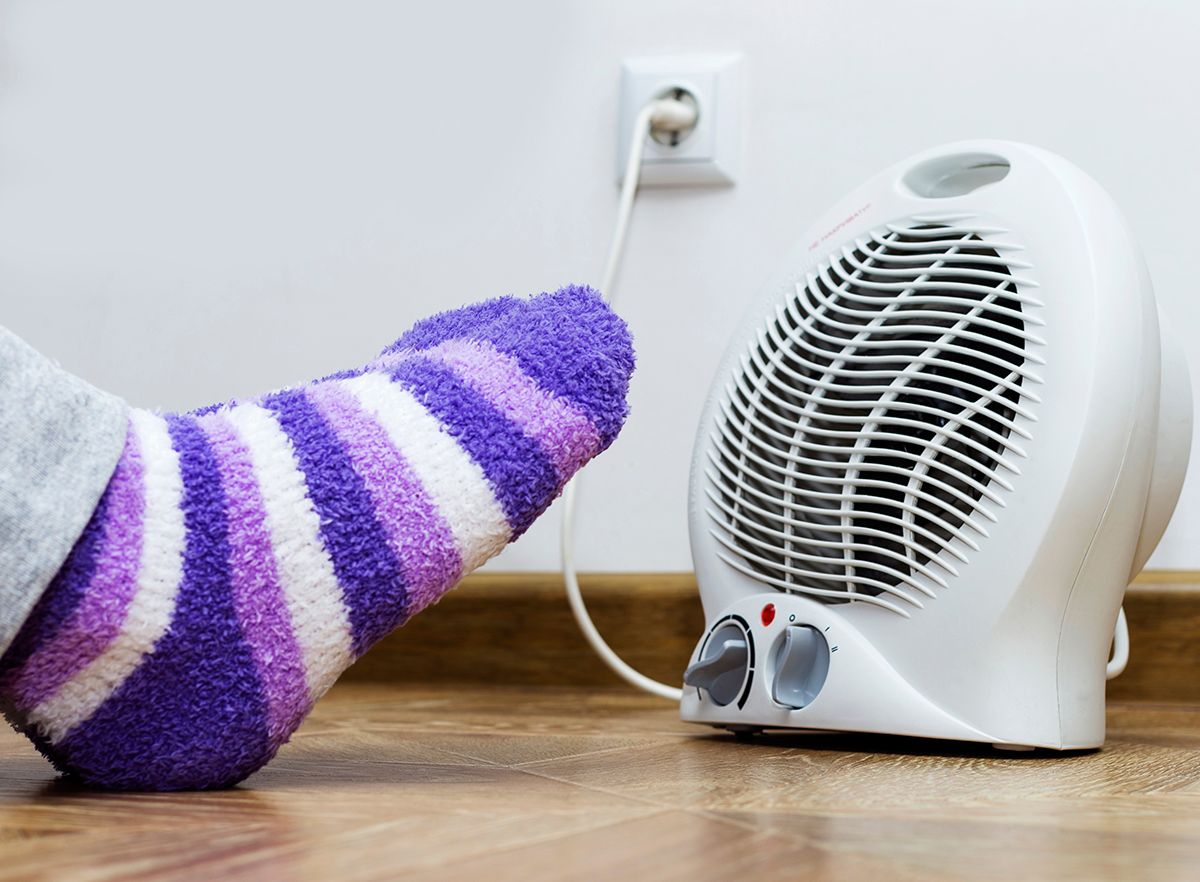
column 780, row 662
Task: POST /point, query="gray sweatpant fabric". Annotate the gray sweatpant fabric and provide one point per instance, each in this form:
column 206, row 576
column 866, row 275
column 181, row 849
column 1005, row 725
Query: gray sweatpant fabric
column 60, row 440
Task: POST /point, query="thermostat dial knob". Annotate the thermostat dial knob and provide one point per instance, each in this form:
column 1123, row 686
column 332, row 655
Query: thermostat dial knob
column 722, row 666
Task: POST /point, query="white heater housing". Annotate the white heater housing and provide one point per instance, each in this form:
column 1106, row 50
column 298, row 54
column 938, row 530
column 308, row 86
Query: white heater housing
column 936, row 453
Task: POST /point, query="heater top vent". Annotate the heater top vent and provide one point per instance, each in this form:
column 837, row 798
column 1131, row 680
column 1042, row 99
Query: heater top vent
column 870, row 432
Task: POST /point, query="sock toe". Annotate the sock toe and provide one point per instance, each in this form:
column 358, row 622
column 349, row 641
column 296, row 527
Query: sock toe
column 569, row 342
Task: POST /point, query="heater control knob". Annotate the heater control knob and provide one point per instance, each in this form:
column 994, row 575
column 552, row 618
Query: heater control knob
column 801, row 666
column 723, row 663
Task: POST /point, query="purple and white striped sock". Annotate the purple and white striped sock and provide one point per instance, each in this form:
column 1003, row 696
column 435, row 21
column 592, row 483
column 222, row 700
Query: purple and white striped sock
column 244, row 555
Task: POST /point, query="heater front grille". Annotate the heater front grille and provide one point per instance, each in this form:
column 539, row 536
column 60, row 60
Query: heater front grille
column 869, row 433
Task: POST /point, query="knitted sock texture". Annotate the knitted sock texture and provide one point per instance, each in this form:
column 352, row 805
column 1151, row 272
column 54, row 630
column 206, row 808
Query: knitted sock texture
column 245, row 554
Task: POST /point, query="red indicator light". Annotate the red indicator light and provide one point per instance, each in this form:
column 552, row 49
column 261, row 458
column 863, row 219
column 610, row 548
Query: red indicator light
column 768, row 614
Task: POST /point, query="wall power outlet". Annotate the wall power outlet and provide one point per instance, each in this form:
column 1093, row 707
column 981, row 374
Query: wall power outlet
column 710, row 153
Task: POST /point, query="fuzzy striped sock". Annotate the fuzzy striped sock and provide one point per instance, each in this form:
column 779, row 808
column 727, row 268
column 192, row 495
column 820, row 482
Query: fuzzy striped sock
column 244, row 555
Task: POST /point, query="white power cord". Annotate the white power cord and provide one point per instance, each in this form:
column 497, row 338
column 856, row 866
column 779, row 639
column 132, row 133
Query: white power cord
column 659, row 115
column 673, row 115
column 1120, row 648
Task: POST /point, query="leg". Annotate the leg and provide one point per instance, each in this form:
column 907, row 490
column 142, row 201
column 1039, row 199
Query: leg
column 60, row 440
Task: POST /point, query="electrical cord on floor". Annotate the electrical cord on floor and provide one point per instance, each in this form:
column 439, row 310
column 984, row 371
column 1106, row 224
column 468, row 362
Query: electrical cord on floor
column 1120, row 648
column 672, row 115
column 659, row 115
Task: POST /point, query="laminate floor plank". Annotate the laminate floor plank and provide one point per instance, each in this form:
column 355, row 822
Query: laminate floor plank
column 534, row 782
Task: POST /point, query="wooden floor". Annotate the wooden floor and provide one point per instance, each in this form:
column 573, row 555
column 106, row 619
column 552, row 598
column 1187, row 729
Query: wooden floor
column 492, row 784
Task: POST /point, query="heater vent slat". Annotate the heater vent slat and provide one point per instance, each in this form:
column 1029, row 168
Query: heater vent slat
column 873, row 429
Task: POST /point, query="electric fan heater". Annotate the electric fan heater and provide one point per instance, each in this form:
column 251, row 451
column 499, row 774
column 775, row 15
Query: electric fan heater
column 934, row 456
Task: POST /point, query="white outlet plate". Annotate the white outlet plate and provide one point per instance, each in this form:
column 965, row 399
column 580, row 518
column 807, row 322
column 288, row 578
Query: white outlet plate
column 710, row 154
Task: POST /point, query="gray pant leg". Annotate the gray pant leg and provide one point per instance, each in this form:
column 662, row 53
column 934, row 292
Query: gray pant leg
column 60, row 440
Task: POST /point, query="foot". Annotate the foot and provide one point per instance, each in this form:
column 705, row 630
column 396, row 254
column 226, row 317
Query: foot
column 245, row 554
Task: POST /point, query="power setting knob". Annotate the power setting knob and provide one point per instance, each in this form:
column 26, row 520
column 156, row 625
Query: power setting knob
column 801, row 666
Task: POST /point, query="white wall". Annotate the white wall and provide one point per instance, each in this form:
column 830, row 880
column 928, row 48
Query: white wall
column 207, row 199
